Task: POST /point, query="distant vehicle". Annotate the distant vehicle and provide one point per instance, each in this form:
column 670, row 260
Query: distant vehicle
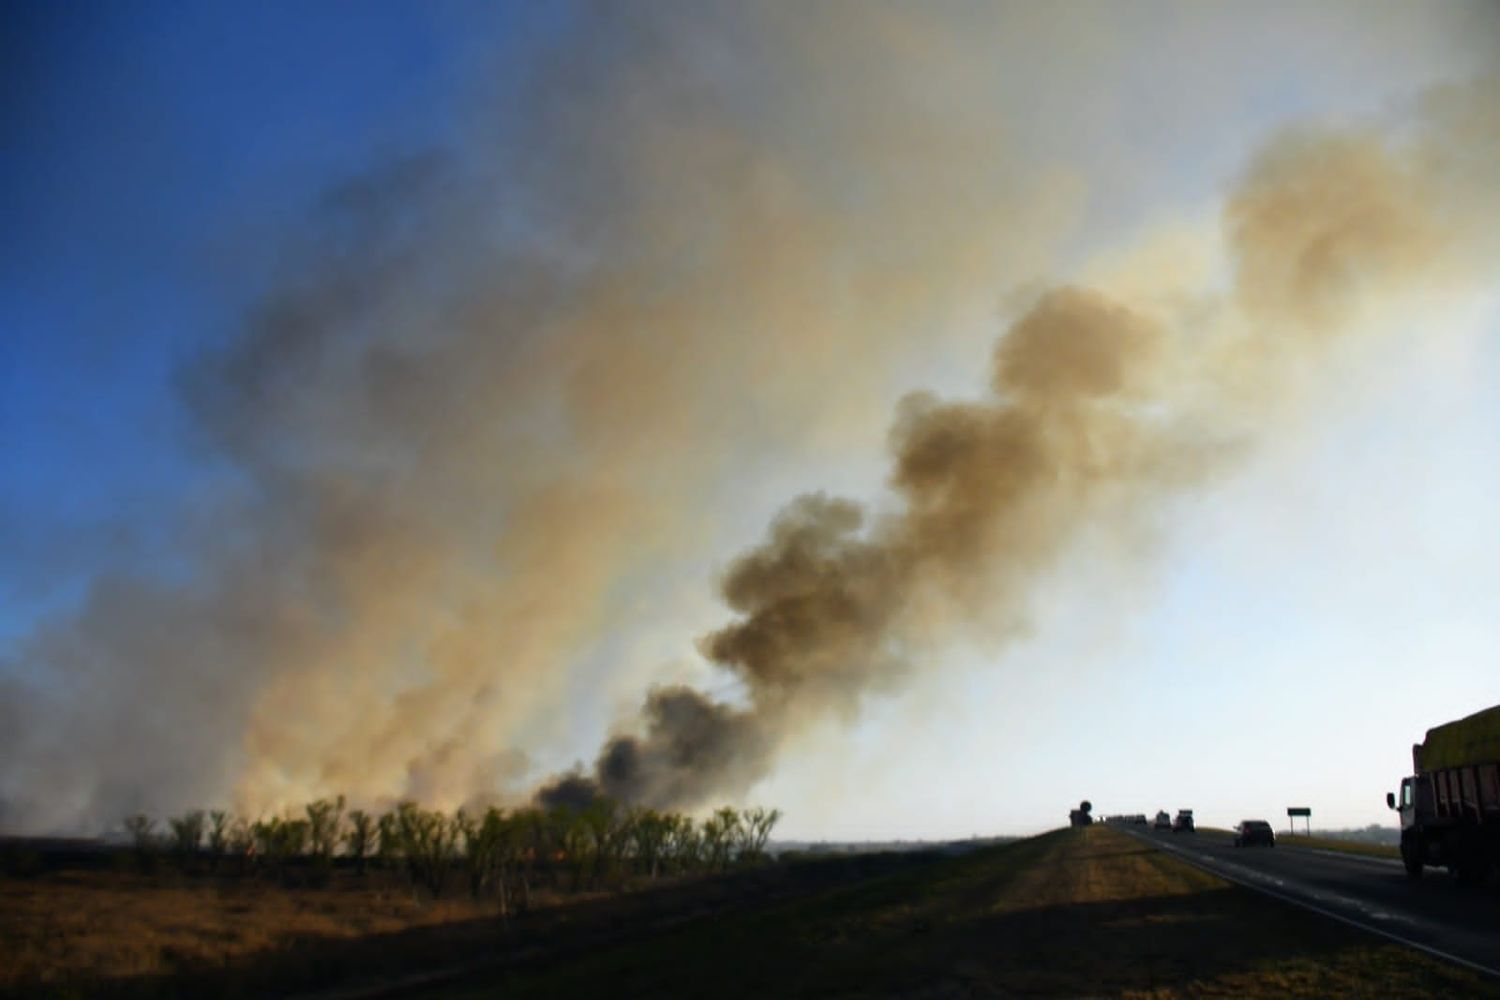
column 1184, row 821
column 1163, row 820
column 1254, row 831
column 1450, row 806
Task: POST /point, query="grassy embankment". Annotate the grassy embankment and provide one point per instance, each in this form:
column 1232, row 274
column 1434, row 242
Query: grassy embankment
column 1088, row 912
column 1335, row 844
column 1319, row 843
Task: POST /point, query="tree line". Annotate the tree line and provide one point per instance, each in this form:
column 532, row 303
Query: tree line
column 501, row 854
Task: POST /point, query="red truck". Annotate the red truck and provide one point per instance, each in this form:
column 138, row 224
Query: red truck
column 1450, row 806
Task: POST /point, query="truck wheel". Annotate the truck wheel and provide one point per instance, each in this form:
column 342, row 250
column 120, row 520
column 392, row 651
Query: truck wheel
column 1411, row 858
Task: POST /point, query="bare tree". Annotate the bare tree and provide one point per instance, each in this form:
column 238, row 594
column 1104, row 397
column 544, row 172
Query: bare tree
column 142, row 830
column 241, row 843
column 649, row 831
column 755, row 831
column 563, row 844
column 360, row 838
column 493, row 846
column 683, row 844
column 513, row 867
column 603, row 838
column 720, row 835
column 388, row 845
column 477, row 851
column 428, row 839
column 218, row 833
column 187, row 832
column 324, row 818
column 140, row 827
column 532, row 849
column 279, row 841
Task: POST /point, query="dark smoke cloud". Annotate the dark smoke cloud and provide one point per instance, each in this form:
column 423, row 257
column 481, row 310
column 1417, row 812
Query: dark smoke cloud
column 830, row 606
column 568, row 791
column 692, row 749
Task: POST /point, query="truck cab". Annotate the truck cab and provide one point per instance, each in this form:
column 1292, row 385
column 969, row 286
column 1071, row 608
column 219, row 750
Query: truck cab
column 1413, row 803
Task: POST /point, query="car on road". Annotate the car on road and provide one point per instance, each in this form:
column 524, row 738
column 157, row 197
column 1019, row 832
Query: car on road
column 1184, row 821
column 1163, row 820
column 1254, row 831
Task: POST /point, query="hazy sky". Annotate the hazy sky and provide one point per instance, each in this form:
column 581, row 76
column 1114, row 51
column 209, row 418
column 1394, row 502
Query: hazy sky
column 386, row 391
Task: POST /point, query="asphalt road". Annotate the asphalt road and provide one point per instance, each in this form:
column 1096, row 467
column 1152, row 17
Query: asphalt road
column 1434, row 913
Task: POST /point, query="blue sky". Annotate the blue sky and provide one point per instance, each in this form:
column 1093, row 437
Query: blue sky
column 151, row 148
column 162, row 165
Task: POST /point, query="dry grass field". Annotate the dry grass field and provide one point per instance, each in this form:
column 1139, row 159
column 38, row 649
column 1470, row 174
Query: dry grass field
column 1076, row 912
column 121, row 933
column 81, row 928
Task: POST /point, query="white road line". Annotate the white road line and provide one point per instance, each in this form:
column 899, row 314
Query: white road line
column 1213, row 866
column 1319, row 895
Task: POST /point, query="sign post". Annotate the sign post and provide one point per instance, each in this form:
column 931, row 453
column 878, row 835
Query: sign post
column 1292, row 812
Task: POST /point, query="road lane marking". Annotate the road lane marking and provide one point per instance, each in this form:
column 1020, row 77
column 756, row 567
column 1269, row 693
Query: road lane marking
column 1307, row 890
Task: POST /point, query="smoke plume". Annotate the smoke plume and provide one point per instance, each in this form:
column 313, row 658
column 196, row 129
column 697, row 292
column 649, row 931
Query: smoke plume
column 1097, row 414
column 493, row 388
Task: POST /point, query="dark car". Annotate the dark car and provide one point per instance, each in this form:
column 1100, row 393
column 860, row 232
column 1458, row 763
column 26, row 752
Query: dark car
column 1184, row 821
column 1254, row 831
column 1163, row 821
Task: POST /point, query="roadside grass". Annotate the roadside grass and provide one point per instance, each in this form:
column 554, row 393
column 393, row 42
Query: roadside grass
column 1075, row 912
column 1284, row 839
column 1335, row 844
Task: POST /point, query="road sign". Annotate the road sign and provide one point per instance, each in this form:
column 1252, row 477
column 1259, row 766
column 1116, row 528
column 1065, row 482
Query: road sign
column 1305, row 812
